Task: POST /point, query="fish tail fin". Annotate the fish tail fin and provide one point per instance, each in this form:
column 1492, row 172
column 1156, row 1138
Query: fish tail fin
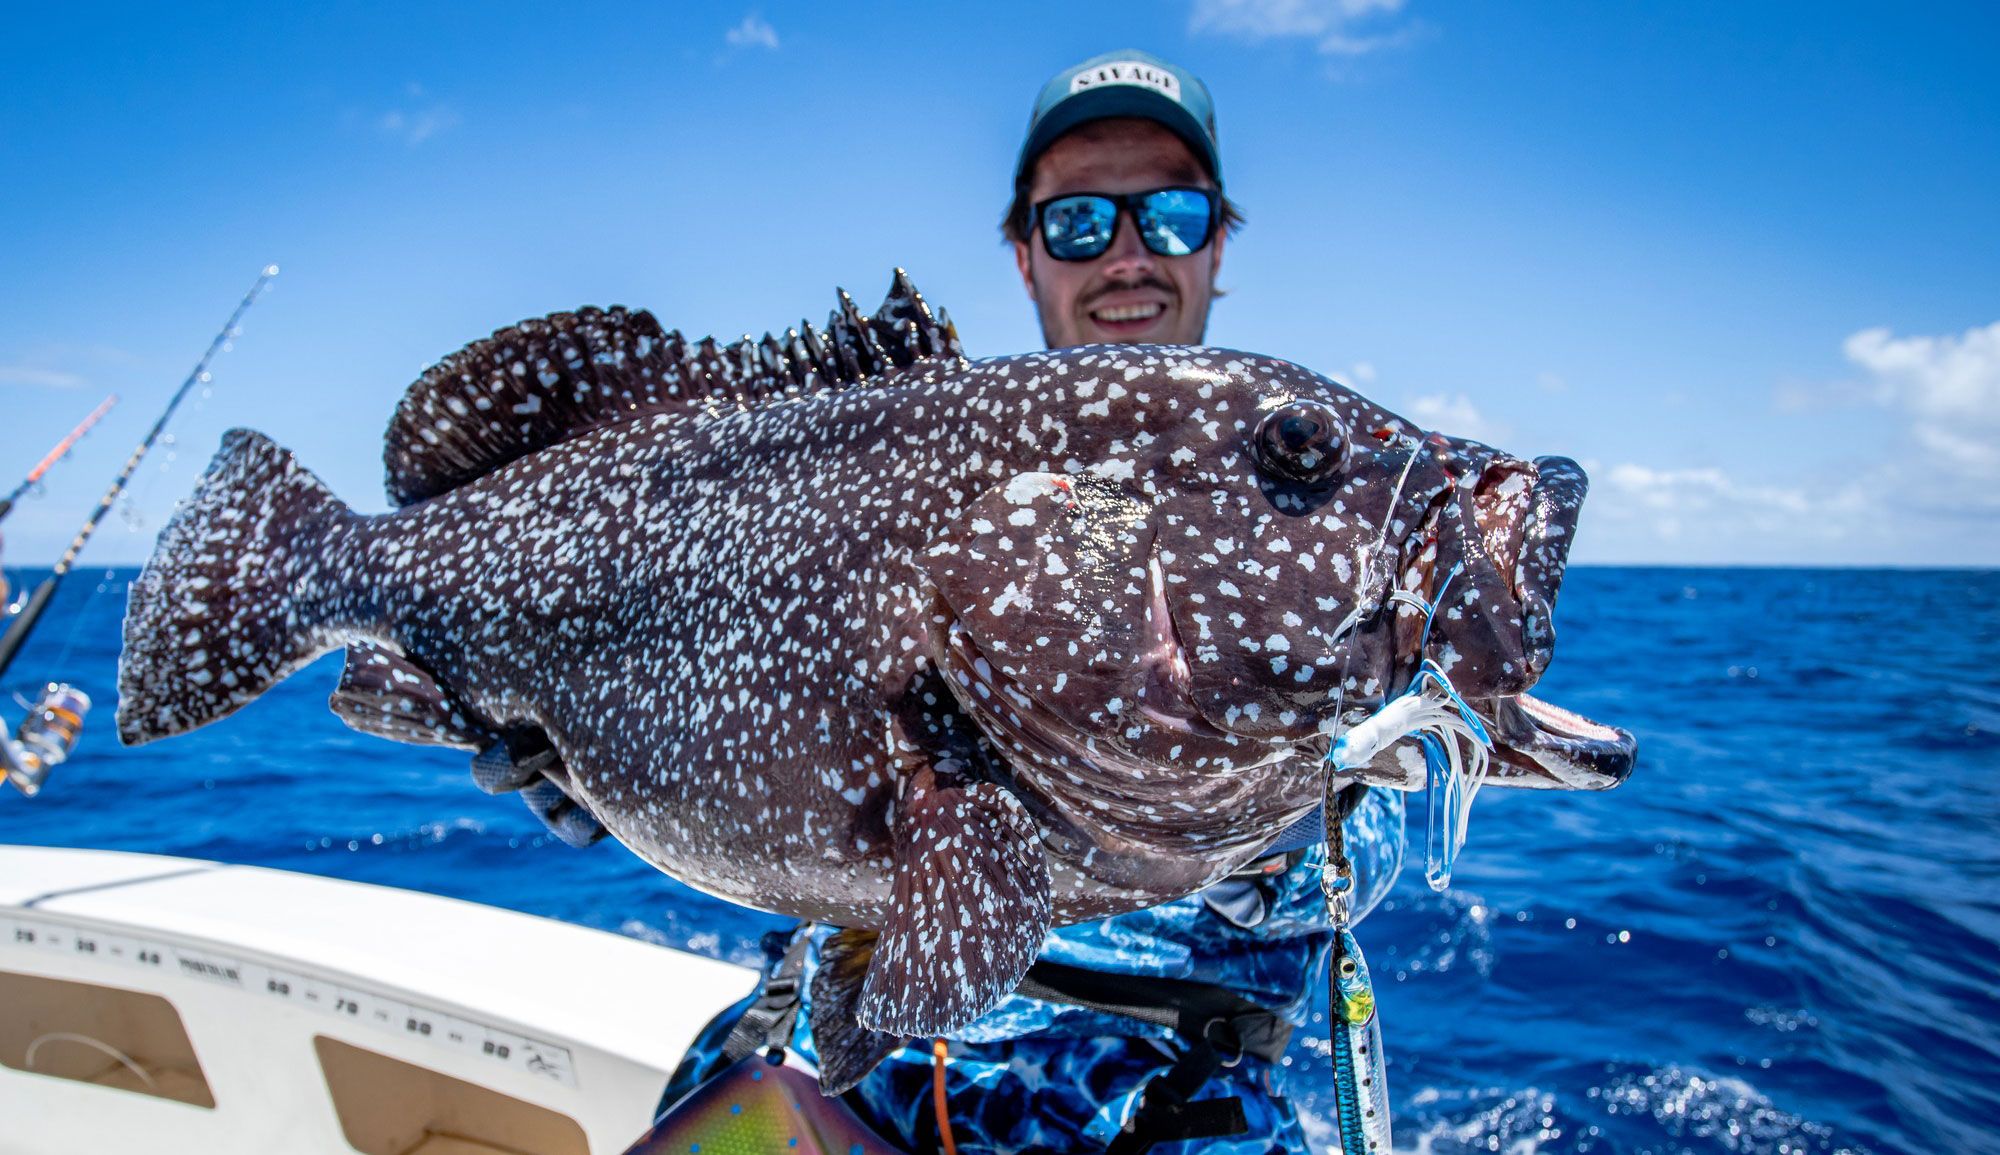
column 217, row 617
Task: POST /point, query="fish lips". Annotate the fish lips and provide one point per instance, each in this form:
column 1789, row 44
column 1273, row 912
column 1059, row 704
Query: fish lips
column 1503, row 538
column 1538, row 744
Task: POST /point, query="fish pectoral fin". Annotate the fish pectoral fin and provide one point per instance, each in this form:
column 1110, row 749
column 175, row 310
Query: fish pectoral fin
column 847, row 1050
column 553, row 800
column 970, row 910
column 392, row 695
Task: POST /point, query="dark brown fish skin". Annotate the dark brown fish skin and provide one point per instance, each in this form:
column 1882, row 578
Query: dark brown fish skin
column 749, row 628
column 601, row 589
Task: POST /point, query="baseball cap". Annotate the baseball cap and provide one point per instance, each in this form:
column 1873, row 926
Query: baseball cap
column 1127, row 82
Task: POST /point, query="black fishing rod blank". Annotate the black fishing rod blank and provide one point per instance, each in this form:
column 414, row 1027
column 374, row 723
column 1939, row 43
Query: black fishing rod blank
column 38, row 602
column 54, row 455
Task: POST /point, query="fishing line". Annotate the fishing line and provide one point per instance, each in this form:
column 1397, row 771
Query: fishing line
column 1353, row 619
column 38, row 602
column 1356, row 615
column 1362, row 612
column 81, row 617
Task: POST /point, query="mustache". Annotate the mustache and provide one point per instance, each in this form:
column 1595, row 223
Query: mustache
column 1143, row 281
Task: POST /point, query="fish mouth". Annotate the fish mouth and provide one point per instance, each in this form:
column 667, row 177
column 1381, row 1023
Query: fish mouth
column 1538, row 743
column 1497, row 548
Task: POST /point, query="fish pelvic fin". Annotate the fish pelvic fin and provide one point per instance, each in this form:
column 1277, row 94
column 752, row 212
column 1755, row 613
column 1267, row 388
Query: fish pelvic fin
column 217, row 617
column 393, row 696
column 971, row 906
column 847, row 1050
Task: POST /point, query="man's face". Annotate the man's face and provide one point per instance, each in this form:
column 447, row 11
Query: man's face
column 1128, row 294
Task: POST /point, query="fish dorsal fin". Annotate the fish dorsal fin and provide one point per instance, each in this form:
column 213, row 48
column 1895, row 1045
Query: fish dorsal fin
column 547, row 380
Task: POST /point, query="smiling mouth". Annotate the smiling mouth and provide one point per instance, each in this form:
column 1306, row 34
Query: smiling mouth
column 1127, row 314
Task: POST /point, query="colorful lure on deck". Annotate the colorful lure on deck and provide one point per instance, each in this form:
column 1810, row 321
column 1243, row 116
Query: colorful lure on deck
column 757, row 1108
column 1360, row 1072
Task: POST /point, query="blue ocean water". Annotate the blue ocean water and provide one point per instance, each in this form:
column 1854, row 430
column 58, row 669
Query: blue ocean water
column 1783, row 935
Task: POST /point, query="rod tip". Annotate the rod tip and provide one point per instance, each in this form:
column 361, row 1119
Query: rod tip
column 270, row 270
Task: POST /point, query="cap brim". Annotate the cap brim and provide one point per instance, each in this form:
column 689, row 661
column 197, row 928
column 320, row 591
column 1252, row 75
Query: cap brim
column 1115, row 101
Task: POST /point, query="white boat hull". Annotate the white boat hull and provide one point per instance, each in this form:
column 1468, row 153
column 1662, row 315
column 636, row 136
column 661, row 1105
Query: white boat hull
column 317, row 1015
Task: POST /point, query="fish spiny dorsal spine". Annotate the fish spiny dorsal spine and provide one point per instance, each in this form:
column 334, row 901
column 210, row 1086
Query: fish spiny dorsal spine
column 750, row 382
column 772, row 362
column 805, row 370
column 673, row 359
column 851, row 331
column 816, row 355
column 712, row 369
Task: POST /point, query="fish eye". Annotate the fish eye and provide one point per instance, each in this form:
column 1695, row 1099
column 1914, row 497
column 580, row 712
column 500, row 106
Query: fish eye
column 1301, row 441
column 1347, row 968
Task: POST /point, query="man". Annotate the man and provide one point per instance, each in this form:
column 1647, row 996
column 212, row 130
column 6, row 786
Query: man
column 1118, row 224
column 1164, row 1029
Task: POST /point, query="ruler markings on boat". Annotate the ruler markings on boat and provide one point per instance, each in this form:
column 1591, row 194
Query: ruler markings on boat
column 298, row 988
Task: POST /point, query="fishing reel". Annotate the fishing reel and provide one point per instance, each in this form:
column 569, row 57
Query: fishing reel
column 46, row 737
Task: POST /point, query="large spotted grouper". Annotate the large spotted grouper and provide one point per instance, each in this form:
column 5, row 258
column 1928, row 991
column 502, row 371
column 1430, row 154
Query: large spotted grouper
column 848, row 628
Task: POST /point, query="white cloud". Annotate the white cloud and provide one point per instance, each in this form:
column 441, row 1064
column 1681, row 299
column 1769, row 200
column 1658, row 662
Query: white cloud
column 1949, row 386
column 39, row 378
column 1706, row 505
column 753, row 32
column 1857, row 491
column 1697, row 490
column 1456, row 415
column 419, row 120
column 1329, row 24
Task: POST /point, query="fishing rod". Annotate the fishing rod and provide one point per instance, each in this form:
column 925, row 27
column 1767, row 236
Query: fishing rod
column 57, row 454
column 24, row 622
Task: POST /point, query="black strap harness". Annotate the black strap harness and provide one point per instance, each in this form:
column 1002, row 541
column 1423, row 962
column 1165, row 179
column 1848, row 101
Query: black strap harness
column 1217, row 1028
column 768, row 1022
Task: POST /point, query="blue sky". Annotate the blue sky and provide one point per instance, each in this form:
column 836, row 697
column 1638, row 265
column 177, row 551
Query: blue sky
column 1741, row 260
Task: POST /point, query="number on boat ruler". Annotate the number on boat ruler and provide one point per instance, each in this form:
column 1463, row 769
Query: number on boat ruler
column 313, row 992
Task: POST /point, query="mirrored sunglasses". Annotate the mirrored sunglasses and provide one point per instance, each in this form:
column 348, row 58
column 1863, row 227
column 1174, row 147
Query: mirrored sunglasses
column 1173, row 222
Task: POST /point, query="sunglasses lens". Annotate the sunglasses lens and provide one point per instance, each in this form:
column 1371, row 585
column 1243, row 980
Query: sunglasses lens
column 1174, row 221
column 1078, row 228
